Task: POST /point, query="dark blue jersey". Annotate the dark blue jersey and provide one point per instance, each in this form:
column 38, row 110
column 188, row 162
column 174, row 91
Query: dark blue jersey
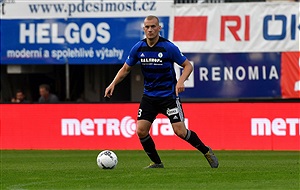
column 157, row 65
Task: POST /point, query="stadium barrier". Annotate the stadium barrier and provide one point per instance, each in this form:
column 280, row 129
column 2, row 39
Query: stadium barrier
column 223, row 126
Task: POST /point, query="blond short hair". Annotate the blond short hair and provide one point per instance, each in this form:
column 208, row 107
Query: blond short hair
column 150, row 17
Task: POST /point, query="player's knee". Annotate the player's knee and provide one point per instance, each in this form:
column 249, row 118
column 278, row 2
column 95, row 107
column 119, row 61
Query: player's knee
column 141, row 133
column 143, row 128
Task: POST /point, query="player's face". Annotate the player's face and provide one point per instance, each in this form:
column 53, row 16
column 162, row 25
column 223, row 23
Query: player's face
column 151, row 28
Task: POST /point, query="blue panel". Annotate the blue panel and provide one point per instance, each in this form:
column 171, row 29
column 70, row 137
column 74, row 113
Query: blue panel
column 76, row 41
column 235, row 75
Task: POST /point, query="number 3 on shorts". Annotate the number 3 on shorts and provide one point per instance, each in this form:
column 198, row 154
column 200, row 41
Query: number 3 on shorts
column 140, row 113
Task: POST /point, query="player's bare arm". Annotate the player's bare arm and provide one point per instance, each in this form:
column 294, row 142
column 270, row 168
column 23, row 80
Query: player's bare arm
column 187, row 69
column 122, row 73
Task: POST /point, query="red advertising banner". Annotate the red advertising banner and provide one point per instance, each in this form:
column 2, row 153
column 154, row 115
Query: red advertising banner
column 190, row 25
column 290, row 74
column 223, row 126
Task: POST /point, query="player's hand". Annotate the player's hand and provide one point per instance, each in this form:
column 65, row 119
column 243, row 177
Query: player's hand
column 179, row 87
column 109, row 91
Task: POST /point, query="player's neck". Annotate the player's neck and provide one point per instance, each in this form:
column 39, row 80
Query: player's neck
column 152, row 42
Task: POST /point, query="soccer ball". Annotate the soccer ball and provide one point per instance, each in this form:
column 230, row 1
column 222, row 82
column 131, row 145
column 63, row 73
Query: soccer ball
column 107, row 159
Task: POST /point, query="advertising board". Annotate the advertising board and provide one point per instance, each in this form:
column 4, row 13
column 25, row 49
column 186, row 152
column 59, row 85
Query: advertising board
column 237, row 27
column 223, row 126
column 75, row 32
column 233, row 75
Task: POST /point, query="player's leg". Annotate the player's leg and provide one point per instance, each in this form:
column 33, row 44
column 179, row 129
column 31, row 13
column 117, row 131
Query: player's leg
column 189, row 136
column 146, row 116
column 143, row 127
column 173, row 110
column 192, row 138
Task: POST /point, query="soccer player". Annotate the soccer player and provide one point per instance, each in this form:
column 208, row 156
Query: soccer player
column 161, row 89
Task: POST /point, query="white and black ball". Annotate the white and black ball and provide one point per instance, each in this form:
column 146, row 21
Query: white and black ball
column 107, row 159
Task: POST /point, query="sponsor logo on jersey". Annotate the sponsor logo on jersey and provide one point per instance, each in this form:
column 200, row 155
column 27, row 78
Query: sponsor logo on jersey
column 151, row 60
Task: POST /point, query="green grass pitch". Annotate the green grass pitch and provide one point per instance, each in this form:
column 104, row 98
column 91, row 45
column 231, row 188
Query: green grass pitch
column 183, row 170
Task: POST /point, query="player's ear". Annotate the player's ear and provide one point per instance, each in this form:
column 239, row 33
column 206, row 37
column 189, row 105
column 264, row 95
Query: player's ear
column 159, row 28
